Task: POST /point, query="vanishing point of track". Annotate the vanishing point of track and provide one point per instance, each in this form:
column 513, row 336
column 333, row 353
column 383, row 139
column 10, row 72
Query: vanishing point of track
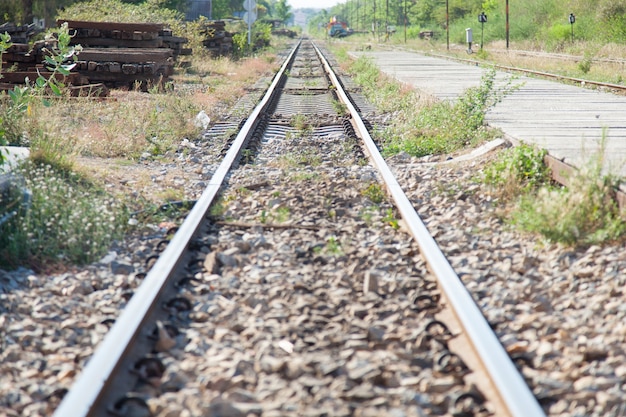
column 104, row 386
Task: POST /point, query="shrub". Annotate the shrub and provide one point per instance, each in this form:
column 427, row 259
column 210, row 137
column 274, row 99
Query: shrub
column 582, row 214
column 517, row 171
column 50, row 232
column 444, row 127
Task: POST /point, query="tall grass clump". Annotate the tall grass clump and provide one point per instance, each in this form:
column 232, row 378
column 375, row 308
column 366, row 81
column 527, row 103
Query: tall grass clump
column 421, row 126
column 444, row 126
column 68, row 220
column 517, row 171
column 582, row 214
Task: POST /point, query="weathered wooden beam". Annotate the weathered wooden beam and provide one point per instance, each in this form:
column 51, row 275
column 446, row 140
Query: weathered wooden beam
column 127, row 27
column 126, row 55
column 121, row 43
column 18, row 77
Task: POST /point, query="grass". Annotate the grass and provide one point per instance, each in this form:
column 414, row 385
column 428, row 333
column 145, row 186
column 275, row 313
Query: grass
column 302, row 124
column 582, row 214
column 54, row 232
column 132, row 123
column 517, row 171
column 444, row 127
column 332, row 247
column 300, row 176
column 374, row 192
column 422, row 126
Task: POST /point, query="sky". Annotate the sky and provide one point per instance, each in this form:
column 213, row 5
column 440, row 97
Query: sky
column 317, row 4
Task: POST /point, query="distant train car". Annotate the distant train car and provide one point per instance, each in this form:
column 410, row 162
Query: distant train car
column 337, row 28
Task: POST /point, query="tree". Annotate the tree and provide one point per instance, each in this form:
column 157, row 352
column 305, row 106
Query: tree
column 282, row 11
column 27, row 9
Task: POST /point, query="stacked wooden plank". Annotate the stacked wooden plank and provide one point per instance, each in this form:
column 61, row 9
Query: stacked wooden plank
column 113, row 54
column 216, row 39
column 126, row 54
column 284, row 32
column 21, row 62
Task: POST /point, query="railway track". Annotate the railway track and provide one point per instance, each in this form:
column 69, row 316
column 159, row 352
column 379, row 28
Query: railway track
column 201, row 271
column 613, row 87
column 297, row 295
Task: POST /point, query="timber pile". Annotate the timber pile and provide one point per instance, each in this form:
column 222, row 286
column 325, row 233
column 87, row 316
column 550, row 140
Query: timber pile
column 285, row 32
column 114, row 55
column 21, row 62
column 126, row 54
column 216, row 39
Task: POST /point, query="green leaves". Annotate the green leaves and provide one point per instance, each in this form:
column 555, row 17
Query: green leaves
column 60, row 58
column 5, row 42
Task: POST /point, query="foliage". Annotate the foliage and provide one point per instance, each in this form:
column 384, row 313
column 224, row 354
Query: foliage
column 385, row 95
column 149, row 11
column 516, row 171
column 282, row 11
column 259, row 38
column 584, row 213
column 581, row 214
column 374, row 192
column 475, row 102
column 59, row 60
column 444, row 127
column 391, row 219
column 22, row 12
column 542, row 21
column 5, row 43
column 49, row 232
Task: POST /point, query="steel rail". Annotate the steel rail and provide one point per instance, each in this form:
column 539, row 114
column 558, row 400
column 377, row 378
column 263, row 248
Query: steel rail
column 581, row 81
column 84, row 397
column 555, row 56
column 511, row 387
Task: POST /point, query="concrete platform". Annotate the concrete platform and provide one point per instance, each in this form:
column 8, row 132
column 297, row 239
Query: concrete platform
column 568, row 121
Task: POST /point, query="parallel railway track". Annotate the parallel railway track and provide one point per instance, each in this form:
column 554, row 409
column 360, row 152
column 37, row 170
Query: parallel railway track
column 128, row 357
column 299, row 298
column 108, row 384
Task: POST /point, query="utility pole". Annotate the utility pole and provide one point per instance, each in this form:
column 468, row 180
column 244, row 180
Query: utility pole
column 507, row 24
column 405, row 22
column 448, row 25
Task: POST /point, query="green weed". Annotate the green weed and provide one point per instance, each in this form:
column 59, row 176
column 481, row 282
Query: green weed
column 306, row 158
column 333, row 246
column 218, row 208
column 339, row 107
column 581, row 214
column 374, row 192
column 304, row 176
column 390, row 219
column 516, row 171
column 444, row 127
column 49, row 232
column 282, row 214
column 367, row 215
